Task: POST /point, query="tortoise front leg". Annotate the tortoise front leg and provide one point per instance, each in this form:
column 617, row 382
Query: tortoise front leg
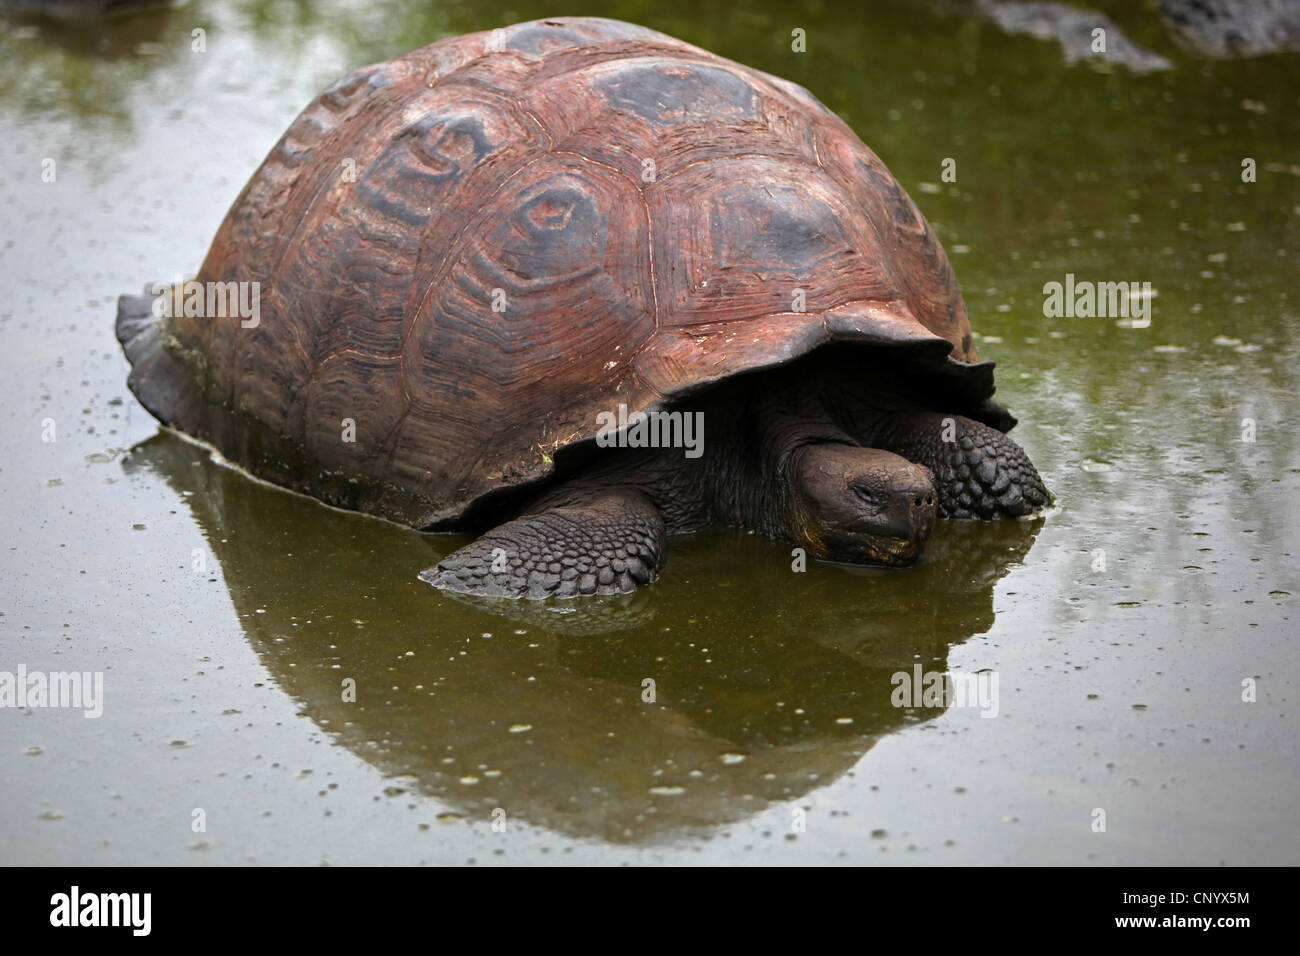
column 978, row 471
column 611, row 543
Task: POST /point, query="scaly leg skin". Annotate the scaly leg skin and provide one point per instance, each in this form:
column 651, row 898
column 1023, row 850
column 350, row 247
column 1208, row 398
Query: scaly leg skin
column 611, row 543
column 979, row 472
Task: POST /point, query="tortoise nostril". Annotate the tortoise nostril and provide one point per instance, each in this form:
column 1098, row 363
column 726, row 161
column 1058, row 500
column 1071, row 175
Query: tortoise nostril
column 919, row 502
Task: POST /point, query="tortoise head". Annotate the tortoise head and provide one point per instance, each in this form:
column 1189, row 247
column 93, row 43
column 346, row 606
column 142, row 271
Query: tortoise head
column 860, row 505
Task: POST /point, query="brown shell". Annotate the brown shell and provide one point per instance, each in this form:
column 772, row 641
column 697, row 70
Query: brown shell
column 646, row 209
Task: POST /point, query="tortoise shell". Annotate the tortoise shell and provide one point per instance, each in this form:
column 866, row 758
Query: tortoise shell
column 473, row 249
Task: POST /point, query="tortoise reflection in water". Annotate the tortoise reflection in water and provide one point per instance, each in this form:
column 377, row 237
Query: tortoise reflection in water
column 794, row 672
column 468, row 256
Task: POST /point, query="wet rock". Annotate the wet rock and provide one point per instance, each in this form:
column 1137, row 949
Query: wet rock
column 1073, row 29
column 1221, row 29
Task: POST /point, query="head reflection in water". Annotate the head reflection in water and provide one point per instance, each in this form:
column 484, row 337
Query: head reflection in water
column 733, row 684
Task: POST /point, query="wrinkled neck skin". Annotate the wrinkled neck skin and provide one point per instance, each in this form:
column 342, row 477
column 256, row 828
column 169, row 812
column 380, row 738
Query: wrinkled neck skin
column 753, row 487
column 752, row 433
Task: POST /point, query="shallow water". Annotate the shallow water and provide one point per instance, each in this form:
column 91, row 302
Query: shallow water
column 225, row 613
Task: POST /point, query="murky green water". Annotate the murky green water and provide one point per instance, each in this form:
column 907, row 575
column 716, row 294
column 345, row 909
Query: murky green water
column 226, row 614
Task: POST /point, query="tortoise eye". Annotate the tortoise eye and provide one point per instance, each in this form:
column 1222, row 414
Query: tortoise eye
column 866, row 494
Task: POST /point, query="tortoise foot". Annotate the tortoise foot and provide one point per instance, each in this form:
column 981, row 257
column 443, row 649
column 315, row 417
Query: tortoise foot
column 978, row 471
column 612, row 544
